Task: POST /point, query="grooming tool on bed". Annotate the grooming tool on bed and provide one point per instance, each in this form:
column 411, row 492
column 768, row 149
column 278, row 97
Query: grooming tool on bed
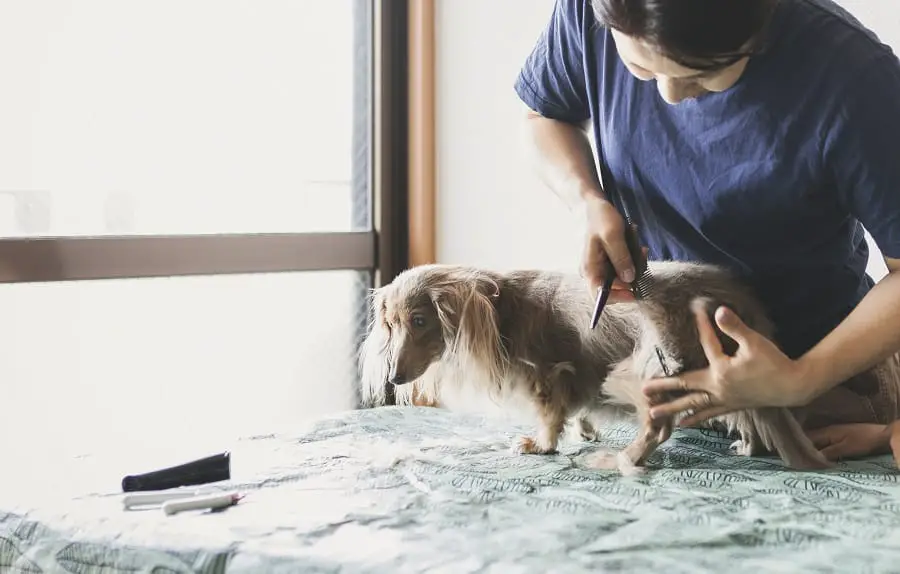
column 130, row 501
column 208, row 502
column 173, row 502
column 202, row 471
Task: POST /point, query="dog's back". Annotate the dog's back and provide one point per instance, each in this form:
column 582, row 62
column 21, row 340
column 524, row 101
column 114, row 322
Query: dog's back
column 544, row 315
column 542, row 319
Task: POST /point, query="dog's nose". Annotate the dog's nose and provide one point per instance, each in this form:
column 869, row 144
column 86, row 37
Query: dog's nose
column 397, row 379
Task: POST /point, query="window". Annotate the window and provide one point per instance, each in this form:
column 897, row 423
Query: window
column 195, row 197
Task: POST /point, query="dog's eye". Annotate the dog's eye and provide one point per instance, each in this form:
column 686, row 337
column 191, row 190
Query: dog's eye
column 418, row 321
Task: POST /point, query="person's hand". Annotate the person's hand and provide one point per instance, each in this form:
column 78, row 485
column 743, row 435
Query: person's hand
column 758, row 375
column 605, row 238
column 894, row 440
column 852, row 440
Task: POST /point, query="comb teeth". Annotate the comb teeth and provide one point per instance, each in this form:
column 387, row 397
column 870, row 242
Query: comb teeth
column 643, row 284
column 662, row 362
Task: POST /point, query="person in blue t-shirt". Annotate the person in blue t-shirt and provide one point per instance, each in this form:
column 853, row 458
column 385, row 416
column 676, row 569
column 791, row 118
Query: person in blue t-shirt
column 762, row 135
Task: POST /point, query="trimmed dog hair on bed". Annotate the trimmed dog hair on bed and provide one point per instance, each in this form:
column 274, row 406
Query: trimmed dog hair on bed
column 523, row 337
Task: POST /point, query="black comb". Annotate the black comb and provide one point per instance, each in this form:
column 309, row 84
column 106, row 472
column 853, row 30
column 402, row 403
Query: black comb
column 631, row 241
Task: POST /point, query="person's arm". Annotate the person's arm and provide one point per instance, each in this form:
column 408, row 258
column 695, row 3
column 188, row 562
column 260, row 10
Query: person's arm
column 562, row 157
column 552, row 85
column 868, row 336
column 861, row 150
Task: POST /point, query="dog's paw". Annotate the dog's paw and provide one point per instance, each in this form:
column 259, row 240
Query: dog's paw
column 627, row 467
column 742, row 448
column 602, row 460
column 587, row 432
column 590, row 436
column 528, row 445
column 605, row 460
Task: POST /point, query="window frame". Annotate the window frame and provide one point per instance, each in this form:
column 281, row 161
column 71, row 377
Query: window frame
column 395, row 47
column 381, row 174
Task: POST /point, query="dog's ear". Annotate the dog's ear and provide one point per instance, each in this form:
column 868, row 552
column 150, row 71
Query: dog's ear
column 374, row 357
column 468, row 315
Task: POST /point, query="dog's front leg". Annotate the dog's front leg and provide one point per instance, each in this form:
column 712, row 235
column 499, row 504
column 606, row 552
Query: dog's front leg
column 651, row 434
column 633, row 458
column 551, row 416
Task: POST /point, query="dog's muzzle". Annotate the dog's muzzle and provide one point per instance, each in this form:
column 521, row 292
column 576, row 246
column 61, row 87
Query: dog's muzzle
column 397, row 380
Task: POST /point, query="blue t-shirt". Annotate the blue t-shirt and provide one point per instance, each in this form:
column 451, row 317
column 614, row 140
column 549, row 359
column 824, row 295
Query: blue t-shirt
column 773, row 178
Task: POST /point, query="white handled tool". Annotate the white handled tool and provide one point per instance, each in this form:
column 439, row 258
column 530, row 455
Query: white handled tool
column 158, row 498
column 209, row 502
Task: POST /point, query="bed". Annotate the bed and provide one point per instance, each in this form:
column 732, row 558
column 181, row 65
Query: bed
column 418, row 489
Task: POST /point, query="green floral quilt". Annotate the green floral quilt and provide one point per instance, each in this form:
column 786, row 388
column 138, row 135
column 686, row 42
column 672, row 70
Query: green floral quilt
column 426, row 490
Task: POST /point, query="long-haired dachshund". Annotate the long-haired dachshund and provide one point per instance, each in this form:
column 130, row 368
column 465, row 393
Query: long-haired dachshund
column 524, row 337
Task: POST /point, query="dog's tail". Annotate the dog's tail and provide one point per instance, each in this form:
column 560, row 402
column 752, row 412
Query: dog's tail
column 780, row 432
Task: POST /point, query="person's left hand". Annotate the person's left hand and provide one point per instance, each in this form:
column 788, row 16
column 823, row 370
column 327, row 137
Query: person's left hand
column 758, row 375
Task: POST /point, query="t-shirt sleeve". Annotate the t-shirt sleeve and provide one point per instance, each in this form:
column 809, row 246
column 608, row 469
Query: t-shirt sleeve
column 863, row 151
column 552, row 80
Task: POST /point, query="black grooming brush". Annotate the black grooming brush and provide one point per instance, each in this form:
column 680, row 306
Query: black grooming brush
column 643, row 282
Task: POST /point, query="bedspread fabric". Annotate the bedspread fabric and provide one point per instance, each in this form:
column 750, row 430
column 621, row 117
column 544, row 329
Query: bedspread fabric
column 426, row 490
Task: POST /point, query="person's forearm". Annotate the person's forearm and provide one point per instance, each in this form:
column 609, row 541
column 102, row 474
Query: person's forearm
column 867, row 336
column 562, row 157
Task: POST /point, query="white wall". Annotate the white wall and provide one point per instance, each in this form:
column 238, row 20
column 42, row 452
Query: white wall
column 491, row 209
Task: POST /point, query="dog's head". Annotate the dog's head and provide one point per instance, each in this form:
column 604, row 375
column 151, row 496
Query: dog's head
column 426, row 314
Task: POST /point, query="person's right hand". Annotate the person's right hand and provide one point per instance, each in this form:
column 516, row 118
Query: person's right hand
column 895, row 441
column 852, row 440
column 605, row 237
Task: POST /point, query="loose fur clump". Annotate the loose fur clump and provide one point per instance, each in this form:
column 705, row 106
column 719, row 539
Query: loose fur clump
column 524, row 336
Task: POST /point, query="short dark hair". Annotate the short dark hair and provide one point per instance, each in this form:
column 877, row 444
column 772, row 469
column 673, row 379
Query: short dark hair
column 697, row 34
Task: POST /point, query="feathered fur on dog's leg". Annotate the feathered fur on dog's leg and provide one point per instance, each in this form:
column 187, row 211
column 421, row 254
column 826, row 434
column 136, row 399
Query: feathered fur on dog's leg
column 780, row 432
column 550, row 398
column 550, row 426
column 749, row 443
